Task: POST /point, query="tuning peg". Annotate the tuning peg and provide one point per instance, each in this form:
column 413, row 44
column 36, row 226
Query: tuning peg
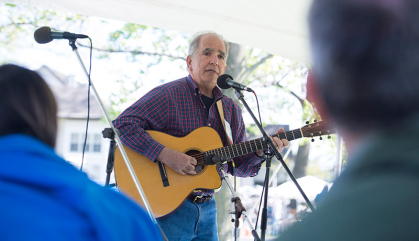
column 312, row 139
column 315, row 121
column 321, row 138
column 328, row 137
column 307, row 122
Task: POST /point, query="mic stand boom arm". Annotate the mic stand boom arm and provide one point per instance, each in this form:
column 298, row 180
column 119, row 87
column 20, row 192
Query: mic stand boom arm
column 272, row 148
column 72, row 43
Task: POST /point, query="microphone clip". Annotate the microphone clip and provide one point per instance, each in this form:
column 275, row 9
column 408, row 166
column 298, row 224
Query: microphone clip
column 212, row 159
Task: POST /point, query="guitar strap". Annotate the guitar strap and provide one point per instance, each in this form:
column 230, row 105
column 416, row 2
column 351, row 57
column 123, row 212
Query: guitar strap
column 229, row 142
column 221, row 112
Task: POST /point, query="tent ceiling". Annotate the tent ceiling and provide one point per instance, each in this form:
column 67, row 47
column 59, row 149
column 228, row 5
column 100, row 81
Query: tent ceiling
column 275, row 26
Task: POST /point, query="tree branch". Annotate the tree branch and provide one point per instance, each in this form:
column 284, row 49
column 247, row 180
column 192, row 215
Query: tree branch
column 248, row 71
column 301, row 100
column 286, row 89
column 14, row 24
column 131, row 51
column 285, row 75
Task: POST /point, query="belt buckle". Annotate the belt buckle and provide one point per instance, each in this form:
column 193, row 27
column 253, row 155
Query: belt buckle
column 196, row 199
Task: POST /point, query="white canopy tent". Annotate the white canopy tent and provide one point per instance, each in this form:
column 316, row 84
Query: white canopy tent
column 278, row 27
column 311, row 186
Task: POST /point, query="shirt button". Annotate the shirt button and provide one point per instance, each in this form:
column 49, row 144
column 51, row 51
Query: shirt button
column 209, row 124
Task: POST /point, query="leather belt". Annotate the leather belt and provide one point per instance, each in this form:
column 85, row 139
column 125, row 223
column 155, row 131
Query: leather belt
column 200, row 199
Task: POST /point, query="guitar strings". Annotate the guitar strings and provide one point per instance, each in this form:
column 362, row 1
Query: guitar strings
column 200, row 160
column 296, row 134
column 235, row 149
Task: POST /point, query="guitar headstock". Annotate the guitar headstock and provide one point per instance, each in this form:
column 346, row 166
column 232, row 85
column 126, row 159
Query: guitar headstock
column 318, row 128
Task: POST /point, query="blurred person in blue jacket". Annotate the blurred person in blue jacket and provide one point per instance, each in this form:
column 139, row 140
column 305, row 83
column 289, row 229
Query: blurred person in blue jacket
column 42, row 197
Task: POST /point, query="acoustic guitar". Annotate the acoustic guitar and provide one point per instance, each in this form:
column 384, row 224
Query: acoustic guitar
column 165, row 189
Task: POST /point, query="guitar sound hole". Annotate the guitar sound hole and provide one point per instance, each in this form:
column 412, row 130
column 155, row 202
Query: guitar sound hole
column 201, row 164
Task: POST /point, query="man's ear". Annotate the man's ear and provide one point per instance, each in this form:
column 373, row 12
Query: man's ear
column 314, row 96
column 189, row 63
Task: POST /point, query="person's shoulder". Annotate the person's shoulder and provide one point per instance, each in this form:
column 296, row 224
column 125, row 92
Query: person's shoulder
column 129, row 220
column 113, row 198
column 230, row 103
column 228, row 100
column 175, row 84
column 166, row 89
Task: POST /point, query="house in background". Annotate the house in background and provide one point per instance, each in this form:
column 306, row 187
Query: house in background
column 72, row 99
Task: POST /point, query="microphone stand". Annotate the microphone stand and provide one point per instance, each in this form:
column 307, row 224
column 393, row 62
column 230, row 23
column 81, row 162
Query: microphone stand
column 108, row 133
column 239, row 208
column 264, row 219
column 268, row 143
column 72, row 43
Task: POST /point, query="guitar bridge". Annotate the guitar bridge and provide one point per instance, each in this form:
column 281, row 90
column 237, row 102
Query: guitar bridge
column 163, row 174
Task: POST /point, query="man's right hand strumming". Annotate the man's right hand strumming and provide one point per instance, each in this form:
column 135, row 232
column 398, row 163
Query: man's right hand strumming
column 178, row 161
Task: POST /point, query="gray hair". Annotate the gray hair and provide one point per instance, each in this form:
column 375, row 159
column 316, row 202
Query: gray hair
column 194, row 45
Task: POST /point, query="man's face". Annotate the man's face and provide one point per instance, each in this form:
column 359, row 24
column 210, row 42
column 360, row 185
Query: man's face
column 209, row 61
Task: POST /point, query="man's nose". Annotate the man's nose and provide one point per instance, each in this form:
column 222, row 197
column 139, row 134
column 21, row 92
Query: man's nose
column 214, row 60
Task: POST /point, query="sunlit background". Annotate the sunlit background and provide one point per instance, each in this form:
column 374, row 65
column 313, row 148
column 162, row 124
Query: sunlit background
column 129, row 60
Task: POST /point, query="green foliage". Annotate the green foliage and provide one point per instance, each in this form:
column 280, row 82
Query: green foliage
column 144, row 40
column 16, row 21
column 147, row 46
column 122, row 96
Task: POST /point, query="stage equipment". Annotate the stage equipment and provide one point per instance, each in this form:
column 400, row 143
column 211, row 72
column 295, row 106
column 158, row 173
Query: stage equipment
column 225, row 81
column 269, row 152
column 44, row 35
column 238, row 206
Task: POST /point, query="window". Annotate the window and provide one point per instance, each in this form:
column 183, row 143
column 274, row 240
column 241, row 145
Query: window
column 87, row 149
column 93, row 142
column 97, row 142
column 74, row 142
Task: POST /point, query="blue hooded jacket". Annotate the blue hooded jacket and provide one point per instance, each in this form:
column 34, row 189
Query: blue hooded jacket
column 42, row 197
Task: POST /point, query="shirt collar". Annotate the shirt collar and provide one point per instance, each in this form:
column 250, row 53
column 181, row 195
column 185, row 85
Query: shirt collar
column 216, row 92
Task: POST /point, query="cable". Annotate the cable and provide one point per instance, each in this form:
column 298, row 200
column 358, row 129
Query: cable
column 264, row 183
column 88, row 107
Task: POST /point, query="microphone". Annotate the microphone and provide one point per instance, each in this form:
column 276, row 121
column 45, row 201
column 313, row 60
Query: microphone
column 44, row 35
column 212, row 159
column 225, row 81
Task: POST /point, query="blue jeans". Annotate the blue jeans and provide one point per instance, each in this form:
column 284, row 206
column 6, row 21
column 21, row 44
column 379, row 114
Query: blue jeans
column 192, row 221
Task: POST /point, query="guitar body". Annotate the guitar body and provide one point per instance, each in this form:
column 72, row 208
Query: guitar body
column 165, row 200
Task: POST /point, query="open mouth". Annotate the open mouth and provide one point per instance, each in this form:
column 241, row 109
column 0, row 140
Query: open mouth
column 211, row 71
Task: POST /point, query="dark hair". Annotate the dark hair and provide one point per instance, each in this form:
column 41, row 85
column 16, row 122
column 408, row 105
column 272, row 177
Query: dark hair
column 366, row 58
column 27, row 104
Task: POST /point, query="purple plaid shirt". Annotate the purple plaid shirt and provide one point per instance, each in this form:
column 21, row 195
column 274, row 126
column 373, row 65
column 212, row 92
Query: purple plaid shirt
column 176, row 108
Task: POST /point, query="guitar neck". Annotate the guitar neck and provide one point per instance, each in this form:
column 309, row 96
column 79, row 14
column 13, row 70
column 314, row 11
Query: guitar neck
column 247, row 147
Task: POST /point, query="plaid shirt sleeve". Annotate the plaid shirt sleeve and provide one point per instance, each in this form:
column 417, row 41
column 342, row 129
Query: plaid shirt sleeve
column 145, row 114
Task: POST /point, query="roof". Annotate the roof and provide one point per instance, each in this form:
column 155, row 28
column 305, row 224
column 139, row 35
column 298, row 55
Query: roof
column 71, row 96
column 72, row 102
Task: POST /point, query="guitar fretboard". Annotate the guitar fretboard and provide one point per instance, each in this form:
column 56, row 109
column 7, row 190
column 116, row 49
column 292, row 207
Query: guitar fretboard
column 244, row 148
